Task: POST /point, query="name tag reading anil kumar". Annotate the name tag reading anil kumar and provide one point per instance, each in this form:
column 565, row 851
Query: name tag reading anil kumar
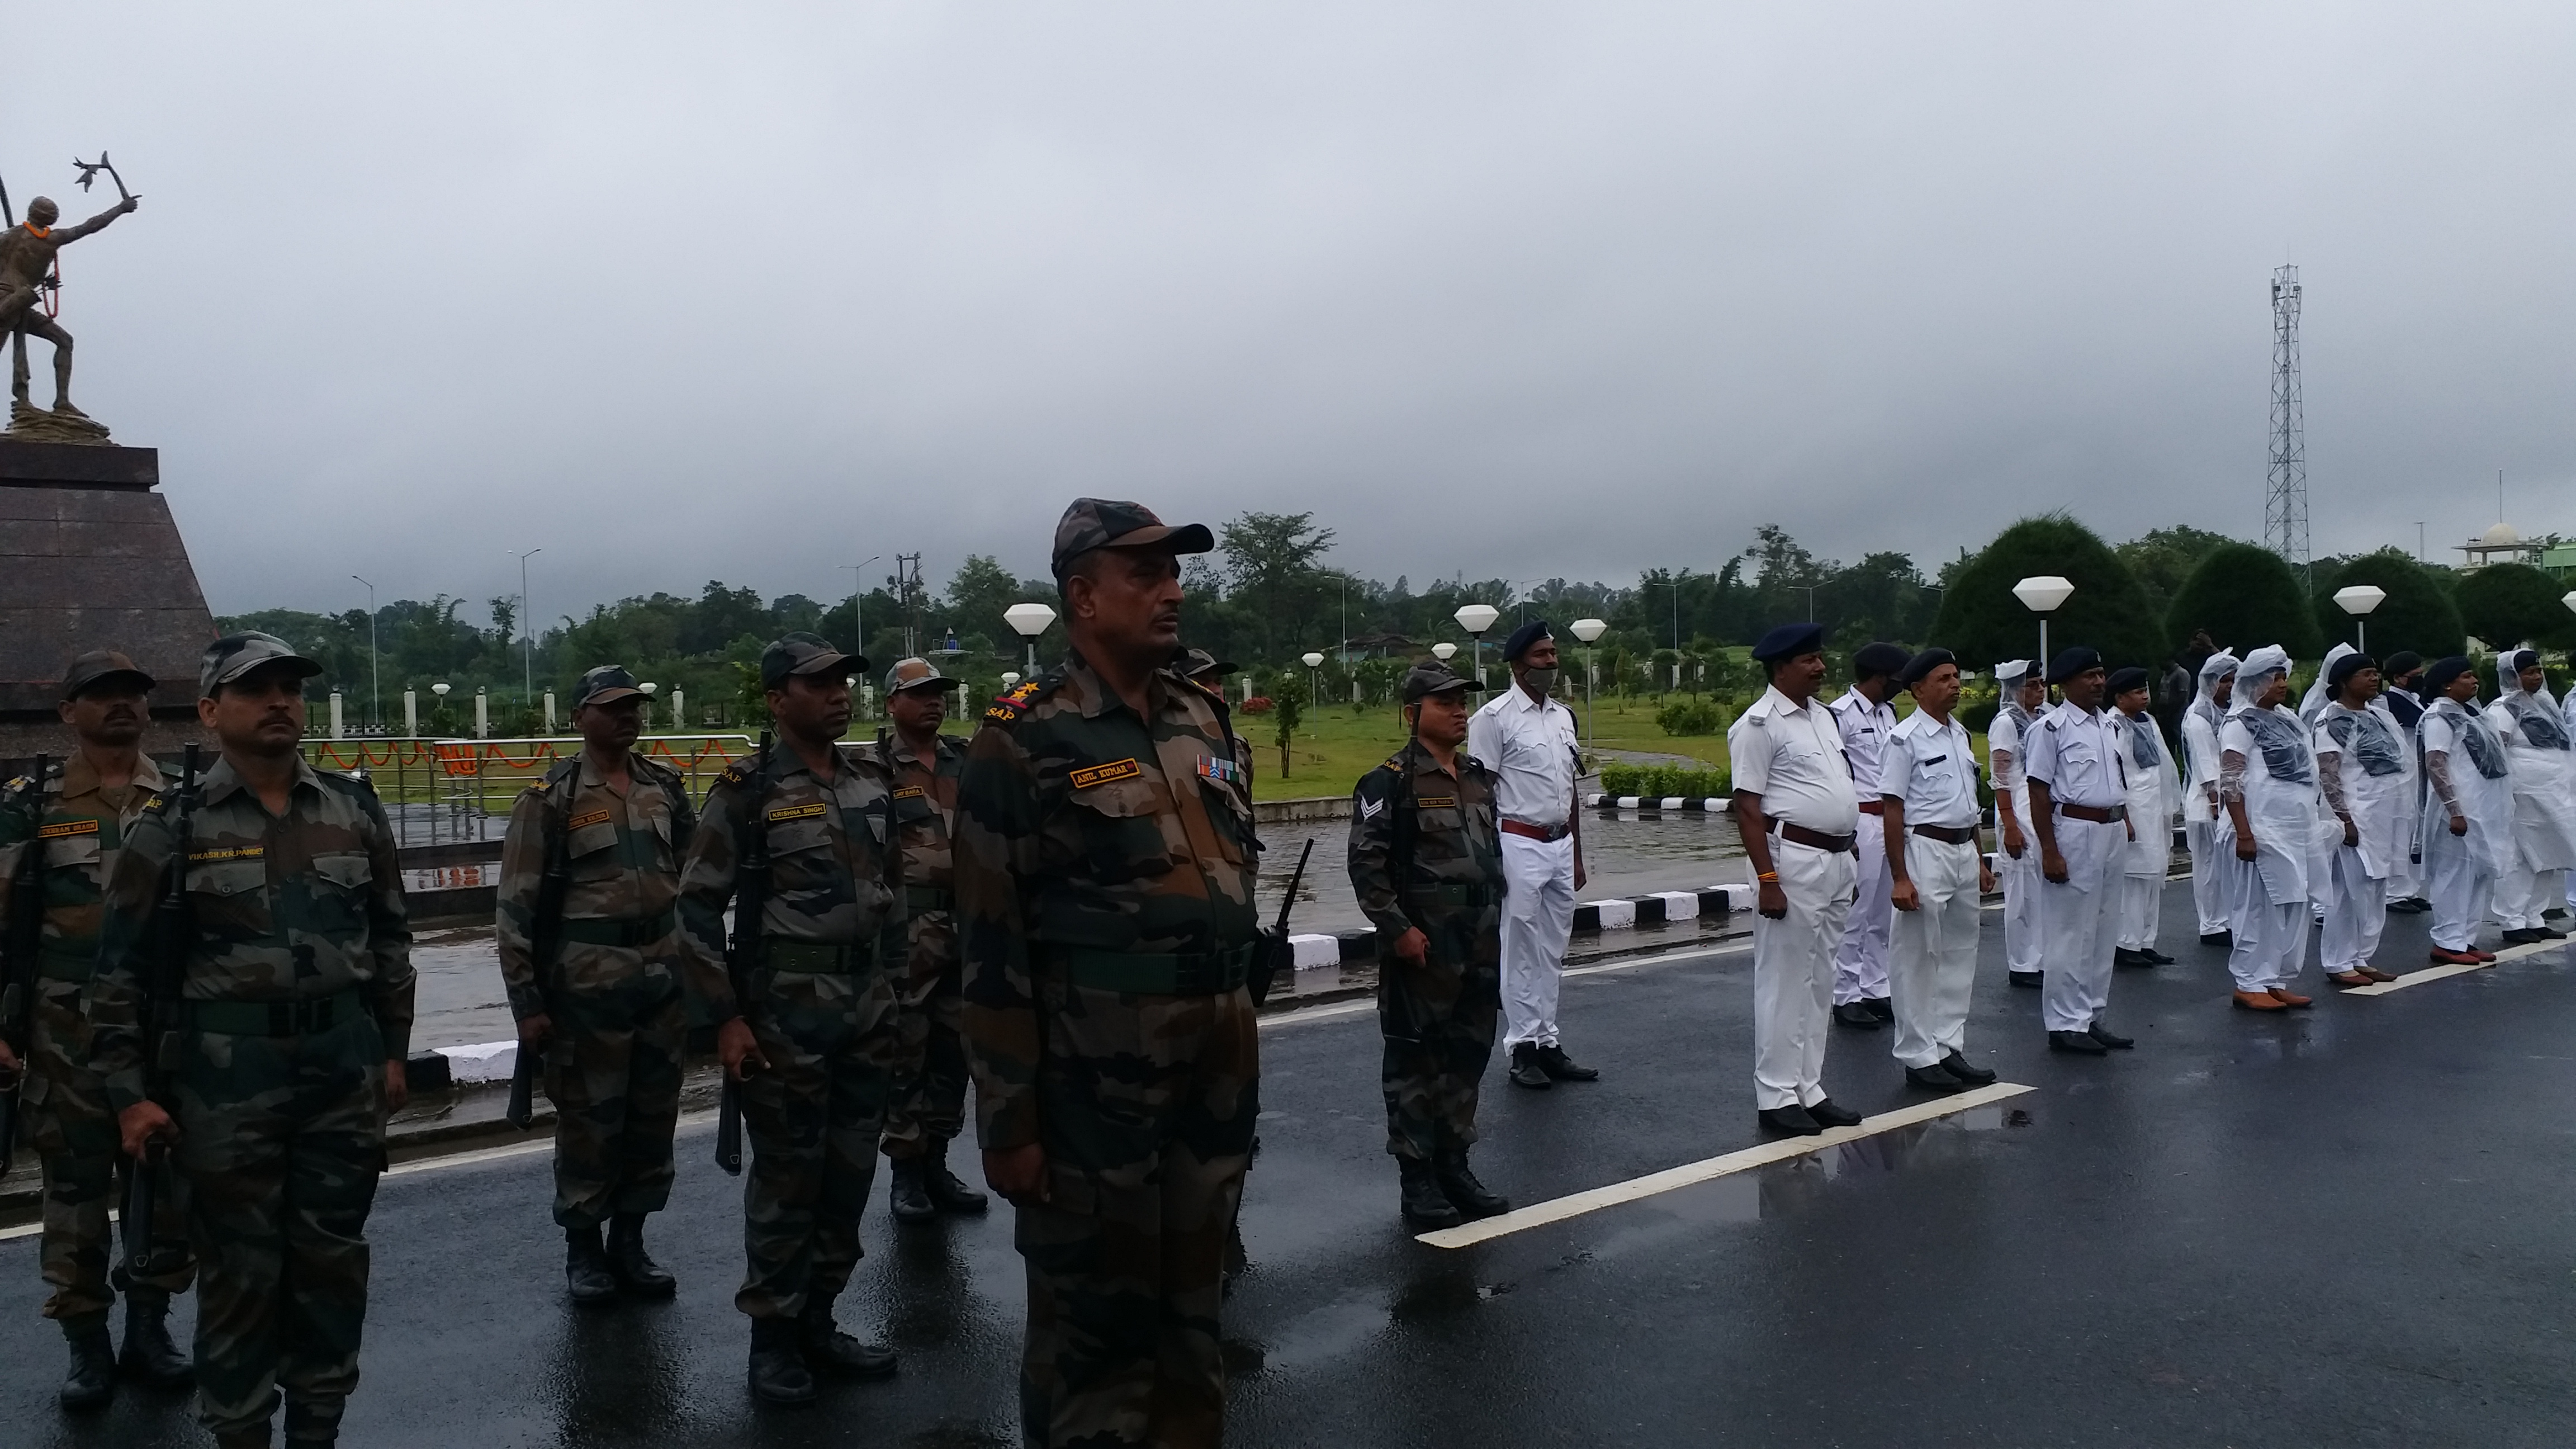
column 1090, row 775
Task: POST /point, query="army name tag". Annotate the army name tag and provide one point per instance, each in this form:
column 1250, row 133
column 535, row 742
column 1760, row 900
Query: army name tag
column 1435, row 802
column 234, row 852
column 61, row 828
column 910, row 792
column 798, row 812
column 1090, row 775
column 584, row 822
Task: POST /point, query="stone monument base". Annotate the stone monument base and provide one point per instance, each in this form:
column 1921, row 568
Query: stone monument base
column 91, row 559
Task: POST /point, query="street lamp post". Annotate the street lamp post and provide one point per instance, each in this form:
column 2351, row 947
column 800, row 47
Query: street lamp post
column 1030, row 620
column 2042, row 594
column 1476, row 619
column 2358, row 600
column 858, row 597
column 375, row 671
column 1444, row 651
column 528, row 659
column 1587, row 630
column 1314, row 685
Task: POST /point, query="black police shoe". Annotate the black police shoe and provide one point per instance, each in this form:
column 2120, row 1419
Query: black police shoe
column 778, row 1371
column 2548, row 933
column 1421, row 1201
column 2079, row 1042
column 2221, row 939
column 634, row 1269
column 1882, row 1007
column 308, row 1426
column 149, row 1356
column 946, row 1188
column 1967, row 1071
column 2518, row 936
column 92, row 1380
column 2109, row 1038
column 1560, row 1067
column 1857, row 1014
column 1526, row 1072
column 2157, row 958
column 2123, row 956
column 908, row 1197
column 2027, row 980
column 2410, row 905
column 586, row 1272
column 1829, row 1113
column 1789, row 1121
column 830, row 1351
column 1934, row 1078
column 1458, row 1183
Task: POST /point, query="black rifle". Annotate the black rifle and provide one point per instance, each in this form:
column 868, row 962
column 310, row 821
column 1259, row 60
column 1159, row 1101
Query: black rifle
column 742, row 951
column 1273, row 953
column 18, row 964
column 165, row 968
column 545, row 943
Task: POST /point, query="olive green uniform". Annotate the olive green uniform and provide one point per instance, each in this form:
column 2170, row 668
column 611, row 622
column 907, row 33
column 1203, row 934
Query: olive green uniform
column 928, row 1107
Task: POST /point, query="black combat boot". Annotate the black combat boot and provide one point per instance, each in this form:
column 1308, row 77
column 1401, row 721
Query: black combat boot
column 1526, row 1071
column 586, row 1271
column 832, row 1352
column 309, row 1426
column 634, row 1269
column 1423, row 1203
column 92, row 1381
column 778, row 1372
column 149, row 1354
column 254, row 1437
column 1458, row 1182
column 946, row 1188
column 908, row 1196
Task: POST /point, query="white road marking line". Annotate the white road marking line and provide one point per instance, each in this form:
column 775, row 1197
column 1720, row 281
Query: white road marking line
column 1558, row 1210
column 2437, row 973
column 1340, row 1009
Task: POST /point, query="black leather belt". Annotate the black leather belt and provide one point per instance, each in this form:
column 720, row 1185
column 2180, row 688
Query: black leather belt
column 2098, row 814
column 627, row 931
column 1950, row 834
column 1815, row 839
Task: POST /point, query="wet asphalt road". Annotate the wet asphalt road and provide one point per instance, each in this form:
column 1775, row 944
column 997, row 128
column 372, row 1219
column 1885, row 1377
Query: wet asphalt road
column 2348, row 1226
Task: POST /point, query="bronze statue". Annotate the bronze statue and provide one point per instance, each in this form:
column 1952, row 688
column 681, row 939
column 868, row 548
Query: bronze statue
column 27, row 272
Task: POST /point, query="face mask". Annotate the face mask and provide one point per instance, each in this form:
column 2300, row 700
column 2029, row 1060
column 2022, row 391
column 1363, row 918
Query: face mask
column 1541, row 680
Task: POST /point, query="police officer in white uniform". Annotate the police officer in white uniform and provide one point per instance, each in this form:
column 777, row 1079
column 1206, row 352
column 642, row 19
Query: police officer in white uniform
column 2079, row 809
column 2543, row 770
column 2467, row 828
column 2267, row 785
column 1928, row 794
column 2016, row 849
column 2200, row 813
column 1865, row 717
column 1527, row 739
column 1796, row 813
column 2155, row 793
column 2367, row 773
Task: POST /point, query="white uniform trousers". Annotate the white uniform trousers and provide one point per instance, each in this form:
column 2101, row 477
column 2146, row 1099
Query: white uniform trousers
column 2459, row 885
column 1932, row 968
column 2023, row 936
column 2356, row 910
column 1860, row 963
column 1538, row 919
column 2271, row 941
column 2208, row 875
column 2079, row 921
column 1793, row 974
column 2523, row 894
column 2142, row 900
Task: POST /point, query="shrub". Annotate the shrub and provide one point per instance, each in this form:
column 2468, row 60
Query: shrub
column 1656, row 782
column 2417, row 614
column 1985, row 624
column 1258, row 704
column 2246, row 597
column 2511, row 604
column 1691, row 717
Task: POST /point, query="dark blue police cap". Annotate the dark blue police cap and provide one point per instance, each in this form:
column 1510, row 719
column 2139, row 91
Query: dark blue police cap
column 1920, row 667
column 1872, row 660
column 2126, row 678
column 2072, row 662
column 1523, row 637
column 1789, row 641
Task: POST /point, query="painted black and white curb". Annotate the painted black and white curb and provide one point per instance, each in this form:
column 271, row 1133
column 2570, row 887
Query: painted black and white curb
column 486, row 1062
column 1678, row 804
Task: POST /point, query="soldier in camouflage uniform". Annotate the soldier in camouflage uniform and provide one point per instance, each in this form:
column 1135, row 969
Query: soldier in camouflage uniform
column 1427, row 868
column 928, row 1109
column 1105, row 881
column 68, row 834
column 294, row 1016
column 813, row 1042
column 606, row 1010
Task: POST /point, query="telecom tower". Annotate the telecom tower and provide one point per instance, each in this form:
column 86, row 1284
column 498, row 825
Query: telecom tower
column 2285, row 489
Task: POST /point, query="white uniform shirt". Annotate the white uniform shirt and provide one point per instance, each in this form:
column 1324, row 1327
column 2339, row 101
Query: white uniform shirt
column 2200, row 754
column 1928, row 768
column 1864, row 726
column 1529, row 745
column 2079, row 755
column 1793, row 759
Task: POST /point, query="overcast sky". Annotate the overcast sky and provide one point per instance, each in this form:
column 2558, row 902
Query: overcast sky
column 751, row 292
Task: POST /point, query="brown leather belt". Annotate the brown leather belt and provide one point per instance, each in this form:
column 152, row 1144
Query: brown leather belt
column 1816, row 839
column 1873, row 807
column 1538, row 832
column 1948, row 834
column 2098, row 814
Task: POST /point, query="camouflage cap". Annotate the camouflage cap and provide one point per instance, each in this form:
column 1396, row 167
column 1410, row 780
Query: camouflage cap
column 804, row 653
column 100, row 667
column 235, row 655
column 917, row 673
column 607, row 684
column 1431, row 677
column 1200, row 664
column 1106, row 523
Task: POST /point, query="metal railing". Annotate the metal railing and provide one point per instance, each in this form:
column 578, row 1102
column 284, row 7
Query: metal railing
column 443, row 791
